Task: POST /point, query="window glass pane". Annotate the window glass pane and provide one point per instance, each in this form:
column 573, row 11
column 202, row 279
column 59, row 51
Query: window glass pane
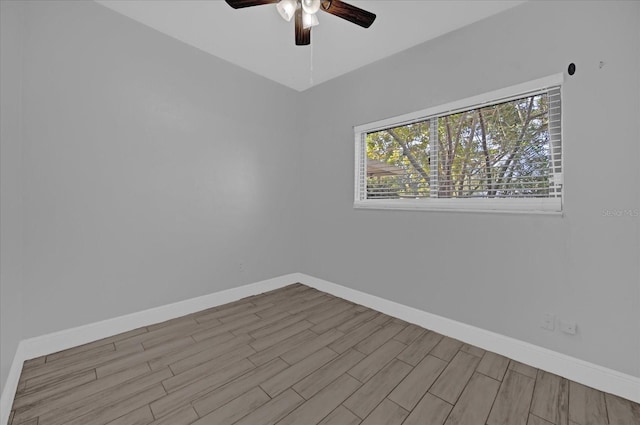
column 398, row 162
column 497, row 151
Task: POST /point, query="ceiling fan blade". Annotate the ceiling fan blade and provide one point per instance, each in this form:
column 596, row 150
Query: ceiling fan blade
column 350, row 13
column 239, row 4
column 303, row 35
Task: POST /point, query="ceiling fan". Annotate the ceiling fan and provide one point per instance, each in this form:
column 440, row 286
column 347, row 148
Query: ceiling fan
column 305, row 13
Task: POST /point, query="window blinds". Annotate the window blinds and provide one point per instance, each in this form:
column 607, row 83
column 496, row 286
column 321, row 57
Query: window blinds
column 505, row 154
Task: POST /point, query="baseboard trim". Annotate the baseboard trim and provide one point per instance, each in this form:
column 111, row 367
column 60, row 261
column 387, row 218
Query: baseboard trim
column 11, row 384
column 68, row 338
column 586, row 373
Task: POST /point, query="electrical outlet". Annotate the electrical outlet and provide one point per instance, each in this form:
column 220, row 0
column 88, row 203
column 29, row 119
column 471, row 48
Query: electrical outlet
column 548, row 321
column 568, row 327
column 241, row 267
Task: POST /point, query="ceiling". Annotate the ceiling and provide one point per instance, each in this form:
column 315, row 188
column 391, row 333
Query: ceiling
column 258, row 40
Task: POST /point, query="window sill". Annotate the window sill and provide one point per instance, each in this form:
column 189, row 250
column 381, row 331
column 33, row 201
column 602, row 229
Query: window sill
column 544, row 206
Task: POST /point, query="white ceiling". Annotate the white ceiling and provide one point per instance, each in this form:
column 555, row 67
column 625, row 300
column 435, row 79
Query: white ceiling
column 257, row 39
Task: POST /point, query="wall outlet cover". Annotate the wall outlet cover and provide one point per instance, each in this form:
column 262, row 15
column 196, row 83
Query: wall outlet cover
column 548, row 321
column 568, row 327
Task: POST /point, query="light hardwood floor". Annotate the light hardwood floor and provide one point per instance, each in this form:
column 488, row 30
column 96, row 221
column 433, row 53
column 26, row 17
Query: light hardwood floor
column 298, row 356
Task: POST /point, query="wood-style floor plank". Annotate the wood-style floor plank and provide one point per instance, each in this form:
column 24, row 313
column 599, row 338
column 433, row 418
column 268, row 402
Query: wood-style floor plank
column 280, row 335
column 90, row 346
column 431, row 410
column 299, row 307
column 319, row 379
column 586, row 405
column 63, row 358
column 374, row 362
column 336, row 320
column 194, row 390
column 50, row 372
column 340, row 416
column 379, row 337
column 276, row 350
column 233, row 389
column 534, row 420
column 236, row 408
column 409, row 392
column 236, row 327
column 265, row 328
column 291, row 375
column 493, row 365
column 335, row 308
column 420, row 347
column 296, row 355
column 511, row 406
column 216, row 314
column 144, row 356
column 454, row 378
column 387, row 413
column 549, row 398
column 320, row 405
column 213, row 366
column 363, row 401
column 354, row 336
column 184, row 416
column 238, row 345
column 475, row 402
column 250, row 311
column 622, row 411
column 105, row 414
column 358, row 320
column 160, row 335
column 208, row 345
column 446, row 349
column 83, row 392
column 524, row 369
column 474, row 351
column 274, row 410
column 53, row 389
column 140, row 416
column 409, row 334
column 60, row 414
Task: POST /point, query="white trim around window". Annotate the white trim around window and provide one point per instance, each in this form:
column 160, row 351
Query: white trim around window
column 546, row 204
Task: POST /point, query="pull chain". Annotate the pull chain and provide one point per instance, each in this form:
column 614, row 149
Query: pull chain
column 311, row 65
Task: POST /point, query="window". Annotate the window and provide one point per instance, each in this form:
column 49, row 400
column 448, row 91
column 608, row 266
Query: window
column 501, row 151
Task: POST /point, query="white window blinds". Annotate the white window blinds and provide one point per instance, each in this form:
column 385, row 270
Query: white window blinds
column 503, row 154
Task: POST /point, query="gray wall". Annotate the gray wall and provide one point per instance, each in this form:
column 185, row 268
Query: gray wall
column 498, row 272
column 150, row 170
column 11, row 26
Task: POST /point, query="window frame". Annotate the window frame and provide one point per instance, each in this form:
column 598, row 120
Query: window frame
column 506, row 205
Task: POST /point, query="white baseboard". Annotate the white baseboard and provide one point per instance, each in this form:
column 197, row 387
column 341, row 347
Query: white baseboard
column 68, row 338
column 11, row 384
column 586, row 373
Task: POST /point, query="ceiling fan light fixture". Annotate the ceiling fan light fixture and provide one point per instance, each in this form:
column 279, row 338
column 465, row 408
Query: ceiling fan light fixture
column 287, row 8
column 311, row 6
column 304, row 12
column 309, row 20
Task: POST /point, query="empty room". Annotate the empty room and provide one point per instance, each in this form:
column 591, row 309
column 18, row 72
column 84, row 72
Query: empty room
column 319, row 212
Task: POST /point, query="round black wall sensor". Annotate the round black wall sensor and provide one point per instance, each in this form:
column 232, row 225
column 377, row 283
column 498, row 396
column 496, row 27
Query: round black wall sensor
column 572, row 68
